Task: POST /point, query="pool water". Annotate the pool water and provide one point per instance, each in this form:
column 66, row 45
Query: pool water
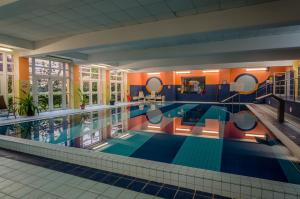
column 226, row 138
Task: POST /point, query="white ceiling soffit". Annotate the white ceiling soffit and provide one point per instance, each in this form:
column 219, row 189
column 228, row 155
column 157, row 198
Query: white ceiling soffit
column 6, row 2
column 220, row 66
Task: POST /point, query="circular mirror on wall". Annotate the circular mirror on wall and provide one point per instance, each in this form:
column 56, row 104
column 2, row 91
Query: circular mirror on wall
column 246, row 83
column 154, row 84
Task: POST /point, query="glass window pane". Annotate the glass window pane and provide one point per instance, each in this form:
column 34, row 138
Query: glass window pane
column 94, row 86
column 1, row 66
column 94, row 70
column 10, row 67
column 113, row 87
column 94, row 76
column 86, row 87
column 57, row 100
column 10, row 84
column 42, row 85
column 86, row 97
column 95, row 98
column 9, row 59
column 43, row 102
column 119, row 87
column 42, row 71
column 57, row 86
column 1, row 57
column 41, row 63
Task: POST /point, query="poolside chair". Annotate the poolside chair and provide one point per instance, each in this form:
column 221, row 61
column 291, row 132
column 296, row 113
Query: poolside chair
column 3, row 108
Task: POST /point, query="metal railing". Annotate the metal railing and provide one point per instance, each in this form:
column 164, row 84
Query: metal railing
column 285, row 89
column 231, row 97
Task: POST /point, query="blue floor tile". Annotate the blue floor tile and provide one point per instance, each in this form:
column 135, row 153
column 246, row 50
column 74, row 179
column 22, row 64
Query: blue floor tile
column 123, row 182
column 136, row 186
column 151, row 189
column 200, row 193
column 183, row 195
column 98, row 176
column 167, row 193
column 110, row 179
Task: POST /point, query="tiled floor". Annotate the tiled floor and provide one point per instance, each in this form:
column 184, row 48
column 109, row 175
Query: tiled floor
column 27, row 176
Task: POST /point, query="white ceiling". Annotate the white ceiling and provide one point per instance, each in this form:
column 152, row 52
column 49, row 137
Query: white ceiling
column 152, row 35
column 36, row 20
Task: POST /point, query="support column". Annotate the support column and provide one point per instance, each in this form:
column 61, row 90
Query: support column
column 75, row 103
column 296, row 72
column 23, row 81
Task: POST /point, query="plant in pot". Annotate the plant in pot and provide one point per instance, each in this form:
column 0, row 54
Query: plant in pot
column 83, row 100
column 26, row 105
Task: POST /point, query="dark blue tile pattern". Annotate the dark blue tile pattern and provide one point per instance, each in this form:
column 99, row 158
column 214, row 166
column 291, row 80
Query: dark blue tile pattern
column 128, row 182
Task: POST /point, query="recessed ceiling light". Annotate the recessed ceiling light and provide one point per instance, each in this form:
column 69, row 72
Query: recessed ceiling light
column 256, row 69
column 156, row 73
column 211, row 71
column 183, row 72
column 182, row 129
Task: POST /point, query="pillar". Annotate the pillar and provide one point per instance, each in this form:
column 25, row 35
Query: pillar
column 75, row 103
column 23, row 81
column 296, row 72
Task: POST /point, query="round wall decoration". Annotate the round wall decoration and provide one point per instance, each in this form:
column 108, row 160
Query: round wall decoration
column 154, row 84
column 244, row 120
column 154, row 116
column 246, row 83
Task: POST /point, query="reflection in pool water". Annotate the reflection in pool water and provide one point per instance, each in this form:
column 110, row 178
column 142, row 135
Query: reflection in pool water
column 226, row 138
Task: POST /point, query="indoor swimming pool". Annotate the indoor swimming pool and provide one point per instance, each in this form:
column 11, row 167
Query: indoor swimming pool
column 218, row 137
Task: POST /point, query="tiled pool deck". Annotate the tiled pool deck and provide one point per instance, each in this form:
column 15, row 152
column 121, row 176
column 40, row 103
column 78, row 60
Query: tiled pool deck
column 31, row 177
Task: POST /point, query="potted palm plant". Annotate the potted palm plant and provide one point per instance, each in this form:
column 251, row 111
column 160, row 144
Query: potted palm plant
column 83, row 100
column 26, row 105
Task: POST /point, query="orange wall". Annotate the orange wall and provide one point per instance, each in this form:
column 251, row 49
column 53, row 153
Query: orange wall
column 223, row 76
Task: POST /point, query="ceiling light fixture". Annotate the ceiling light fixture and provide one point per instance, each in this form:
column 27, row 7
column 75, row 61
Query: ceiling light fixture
column 256, row 69
column 156, row 73
column 211, row 71
column 183, row 72
column 5, row 49
column 181, row 129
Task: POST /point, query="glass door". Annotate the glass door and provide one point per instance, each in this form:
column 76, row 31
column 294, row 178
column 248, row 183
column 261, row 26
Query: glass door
column 50, row 83
column 279, row 84
column 116, row 86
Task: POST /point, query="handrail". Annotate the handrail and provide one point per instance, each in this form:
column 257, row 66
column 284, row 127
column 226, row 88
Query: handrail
column 230, row 97
column 277, row 81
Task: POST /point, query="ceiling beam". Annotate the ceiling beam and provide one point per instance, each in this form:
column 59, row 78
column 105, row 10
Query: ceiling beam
column 16, row 42
column 272, row 13
column 76, row 56
column 212, row 61
column 283, row 41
